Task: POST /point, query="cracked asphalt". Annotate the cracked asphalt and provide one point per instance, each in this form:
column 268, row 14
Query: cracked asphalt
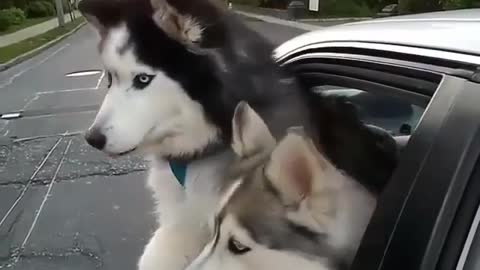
column 64, row 205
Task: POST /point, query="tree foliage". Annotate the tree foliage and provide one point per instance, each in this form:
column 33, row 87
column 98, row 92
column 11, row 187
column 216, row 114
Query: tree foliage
column 454, row 4
column 415, row 6
column 274, row 3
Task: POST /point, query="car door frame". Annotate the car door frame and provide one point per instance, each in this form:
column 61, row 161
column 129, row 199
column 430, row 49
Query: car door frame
column 393, row 240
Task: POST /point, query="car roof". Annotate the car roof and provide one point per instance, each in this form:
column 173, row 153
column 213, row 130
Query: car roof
column 453, row 31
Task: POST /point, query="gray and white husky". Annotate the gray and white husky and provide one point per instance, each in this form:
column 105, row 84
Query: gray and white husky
column 288, row 206
column 176, row 71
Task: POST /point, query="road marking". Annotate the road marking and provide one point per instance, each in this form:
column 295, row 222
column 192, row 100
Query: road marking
column 35, row 173
column 83, row 73
column 66, row 90
column 30, row 102
column 9, row 116
column 68, row 134
column 7, row 119
column 45, row 198
column 100, row 80
column 3, row 126
column 11, row 79
column 74, row 113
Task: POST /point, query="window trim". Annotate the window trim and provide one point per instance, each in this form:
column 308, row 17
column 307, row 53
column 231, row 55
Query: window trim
column 361, row 84
column 471, row 243
column 379, row 48
column 435, row 175
column 391, row 203
column 423, row 85
column 457, row 242
column 384, row 61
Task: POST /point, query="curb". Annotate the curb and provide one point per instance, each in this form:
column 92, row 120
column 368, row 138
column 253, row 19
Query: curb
column 269, row 19
column 32, row 53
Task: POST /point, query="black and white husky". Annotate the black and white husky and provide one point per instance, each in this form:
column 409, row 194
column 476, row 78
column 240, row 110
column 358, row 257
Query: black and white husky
column 286, row 205
column 176, row 70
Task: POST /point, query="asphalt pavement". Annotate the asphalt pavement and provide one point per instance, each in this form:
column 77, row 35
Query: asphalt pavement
column 64, row 205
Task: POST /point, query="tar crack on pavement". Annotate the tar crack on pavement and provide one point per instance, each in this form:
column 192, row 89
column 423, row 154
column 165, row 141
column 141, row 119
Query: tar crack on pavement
column 83, row 161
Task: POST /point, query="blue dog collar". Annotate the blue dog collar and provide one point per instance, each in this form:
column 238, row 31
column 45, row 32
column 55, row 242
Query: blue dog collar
column 179, row 170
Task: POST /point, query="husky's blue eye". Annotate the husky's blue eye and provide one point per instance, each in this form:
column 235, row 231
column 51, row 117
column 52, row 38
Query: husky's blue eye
column 142, row 80
column 236, row 247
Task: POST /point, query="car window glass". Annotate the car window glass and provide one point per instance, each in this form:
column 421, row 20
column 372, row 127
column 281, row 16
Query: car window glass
column 398, row 116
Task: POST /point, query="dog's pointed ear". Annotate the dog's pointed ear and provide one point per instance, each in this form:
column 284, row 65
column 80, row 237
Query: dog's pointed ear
column 250, row 133
column 102, row 14
column 180, row 27
column 295, row 164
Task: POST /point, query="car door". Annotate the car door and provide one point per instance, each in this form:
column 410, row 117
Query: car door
column 429, row 106
column 419, row 208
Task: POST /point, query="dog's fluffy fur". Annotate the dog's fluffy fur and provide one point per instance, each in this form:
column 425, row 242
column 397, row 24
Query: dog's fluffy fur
column 177, row 69
column 288, row 206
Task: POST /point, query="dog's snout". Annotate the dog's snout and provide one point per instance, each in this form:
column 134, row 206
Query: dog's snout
column 96, row 138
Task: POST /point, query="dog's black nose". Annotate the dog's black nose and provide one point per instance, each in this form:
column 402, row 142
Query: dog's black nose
column 95, row 138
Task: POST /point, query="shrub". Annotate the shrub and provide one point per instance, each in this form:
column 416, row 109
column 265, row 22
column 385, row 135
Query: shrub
column 454, row 4
column 254, row 3
column 21, row 4
column 4, row 21
column 50, row 8
column 278, row 4
column 8, row 16
column 340, row 8
column 40, row 9
column 18, row 16
column 65, row 4
column 11, row 16
column 414, row 6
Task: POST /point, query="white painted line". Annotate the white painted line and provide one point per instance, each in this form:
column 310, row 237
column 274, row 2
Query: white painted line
column 9, row 116
column 269, row 19
column 31, row 53
column 6, row 133
column 69, row 134
column 100, row 80
column 45, row 198
column 30, row 102
column 11, row 79
column 65, row 90
column 83, row 73
column 3, row 126
column 37, row 170
column 47, row 115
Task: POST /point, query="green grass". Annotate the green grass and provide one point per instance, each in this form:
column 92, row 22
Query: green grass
column 25, row 24
column 11, row 51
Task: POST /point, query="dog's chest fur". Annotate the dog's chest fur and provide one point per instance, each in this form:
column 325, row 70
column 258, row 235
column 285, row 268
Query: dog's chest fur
column 204, row 182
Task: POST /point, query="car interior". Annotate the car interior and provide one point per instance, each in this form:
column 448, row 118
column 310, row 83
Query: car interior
column 380, row 112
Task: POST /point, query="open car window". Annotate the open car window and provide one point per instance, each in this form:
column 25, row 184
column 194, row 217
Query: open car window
column 396, row 115
column 411, row 106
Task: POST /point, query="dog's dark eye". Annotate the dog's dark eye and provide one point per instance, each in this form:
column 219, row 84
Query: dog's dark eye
column 236, row 247
column 142, row 80
column 109, row 79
